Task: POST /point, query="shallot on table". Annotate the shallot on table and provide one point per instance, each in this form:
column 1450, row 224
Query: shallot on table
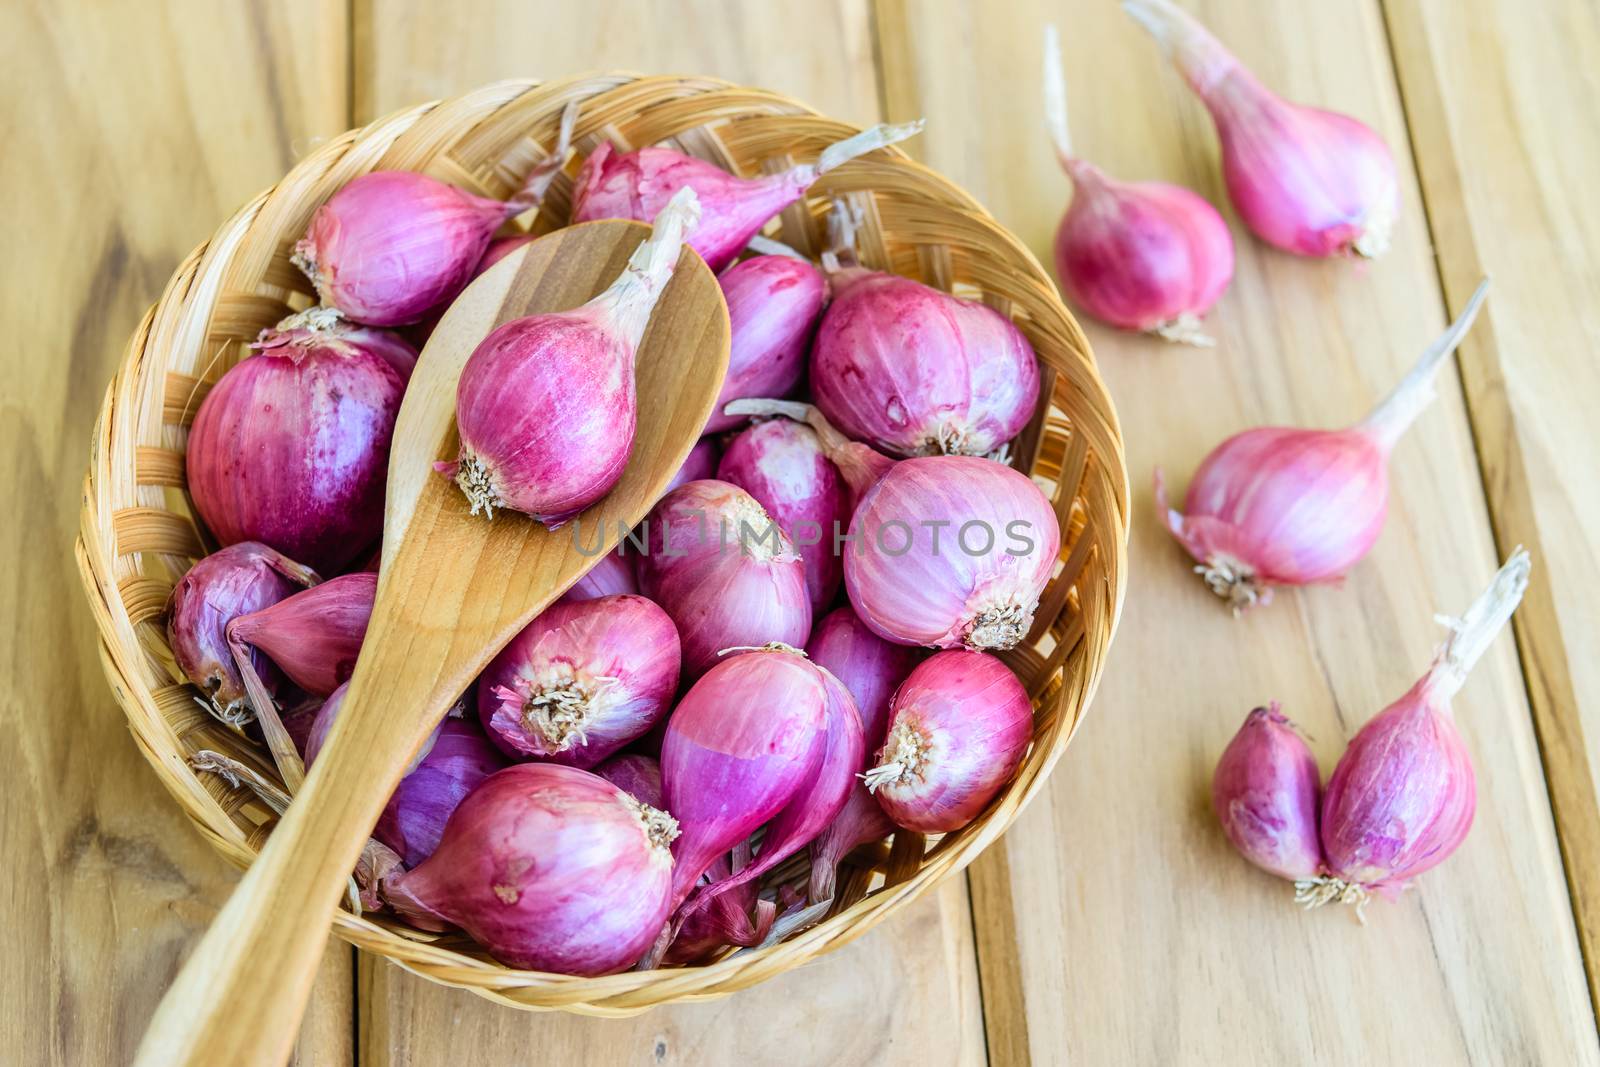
column 1147, row 256
column 1284, row 506
column 1312, row 182
column 1264, row 793
column 1401, row 798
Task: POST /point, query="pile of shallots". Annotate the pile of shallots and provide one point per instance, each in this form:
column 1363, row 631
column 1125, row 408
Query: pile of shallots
column 718, row 725
column 1285, row 506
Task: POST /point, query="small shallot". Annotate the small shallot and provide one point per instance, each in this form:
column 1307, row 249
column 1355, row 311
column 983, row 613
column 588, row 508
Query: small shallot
column 724, row 573
column 958, row 727
column 1264, row 792
column 546, row 404
column 1312, row 182
column 1402, row 797
column 237, row 580
column 739, row 746
column 1146, row 256
column 859, row 465
column 781, row 464
column 548, row 867
column 915, row 371
column 291, row 446
column 391, row 245
column 313, row 637
column 636, row 185
column 1284, row 506
column 581, row 680
column 951, row 551
column 773, row 304
column 452, row 763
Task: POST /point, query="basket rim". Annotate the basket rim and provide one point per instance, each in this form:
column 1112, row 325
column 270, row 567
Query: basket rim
column 188, row 300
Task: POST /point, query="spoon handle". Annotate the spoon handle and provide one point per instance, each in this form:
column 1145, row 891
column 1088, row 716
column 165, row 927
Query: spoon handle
column 239, row 997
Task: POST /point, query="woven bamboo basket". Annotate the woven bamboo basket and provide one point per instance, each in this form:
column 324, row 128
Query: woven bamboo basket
column 138, row 535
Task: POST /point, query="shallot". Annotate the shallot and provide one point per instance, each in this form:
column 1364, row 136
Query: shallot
column 611, row 574
column 859, row 465
column 1402, row 797
column 701, row 463
column 840, row 751
column 1264, row 792
column 1312, row 182
column 915, row 371
column 291, row 446
column 1146, row 256
column 1284, row 506
column 724, row 573
column 958, row 728
column 313, row 637
column 581, row 680
column 546, row 404
column 773, row 304
column 451, row 763
column 636, row 185
column 548, row 867
column 237, row 580
column 871, row 669
column 391, row 245
column 739, row 746
column 781, row 464
column 951, row 551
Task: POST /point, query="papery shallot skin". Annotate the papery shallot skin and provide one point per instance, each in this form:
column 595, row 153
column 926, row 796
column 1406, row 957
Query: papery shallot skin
column 1402, row 796
column 291, row 448
column 1309, row 181
column 917, row 372
column 959, row 726
column 550, row 868
column 974, row 581
column 391, row 245
column 773, row 304
column 636, row 185
column 581, row 680
column 451, row 764
column 1264, row 793
column 737, row 748
column 781, row 464
column 236, row 580
column 723, row 571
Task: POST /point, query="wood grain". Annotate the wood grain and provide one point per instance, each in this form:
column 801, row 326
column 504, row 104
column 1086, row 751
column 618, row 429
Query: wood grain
column 454, row 588
column 136, row 128
column 1477, row 78
column 916, row 993
column 1139, row 935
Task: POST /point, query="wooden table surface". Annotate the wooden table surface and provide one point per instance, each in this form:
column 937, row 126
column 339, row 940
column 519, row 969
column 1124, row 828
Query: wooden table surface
column 1111, row 924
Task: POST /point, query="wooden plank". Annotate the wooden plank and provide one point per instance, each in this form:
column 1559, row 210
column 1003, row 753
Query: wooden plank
column 1499, row 98
column 1139, row 936
column 134, row 130
column 909, row 990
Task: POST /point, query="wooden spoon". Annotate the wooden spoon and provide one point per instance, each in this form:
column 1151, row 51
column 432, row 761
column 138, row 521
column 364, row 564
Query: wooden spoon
column 453, row 590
